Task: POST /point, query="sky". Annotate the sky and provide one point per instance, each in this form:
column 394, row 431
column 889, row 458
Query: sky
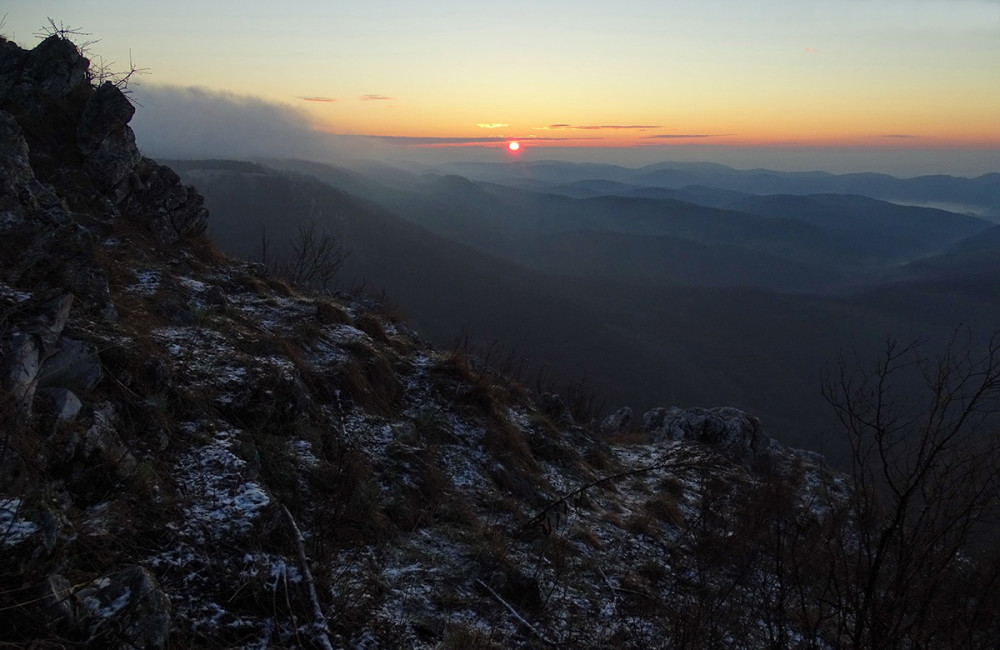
column 911, row 86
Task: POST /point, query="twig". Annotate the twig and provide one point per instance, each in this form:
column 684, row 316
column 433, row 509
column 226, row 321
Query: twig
column 513, row 612
column 319, row 620
column 670, row 464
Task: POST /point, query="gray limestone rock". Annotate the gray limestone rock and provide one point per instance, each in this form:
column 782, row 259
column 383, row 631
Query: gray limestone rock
column 24, row 353
column 63, row 404
column 56, row 67
column 617, row 422
column 171, row 210
column 107, row 113
column 555, row 407
column 735, row 433
column 126, row 609
column 15, row 169
column 56, row 598
column 106, row 140
column 101, row 445
column 74, row 365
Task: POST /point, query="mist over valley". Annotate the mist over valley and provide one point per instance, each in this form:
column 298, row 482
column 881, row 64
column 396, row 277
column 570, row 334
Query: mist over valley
column 675, row 285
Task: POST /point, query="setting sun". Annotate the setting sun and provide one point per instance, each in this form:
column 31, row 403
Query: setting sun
column 514, row 146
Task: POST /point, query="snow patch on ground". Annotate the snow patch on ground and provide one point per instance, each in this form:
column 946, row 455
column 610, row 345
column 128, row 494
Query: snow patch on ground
column 193, row 285
column 147, row 283
column 302, row 450
column 223, row 505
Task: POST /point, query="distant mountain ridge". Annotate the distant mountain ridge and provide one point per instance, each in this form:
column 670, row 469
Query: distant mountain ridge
column 686, row 297
column 980, row 194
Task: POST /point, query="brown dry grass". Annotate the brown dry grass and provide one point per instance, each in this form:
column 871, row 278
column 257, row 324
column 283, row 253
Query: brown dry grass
column 664, row 508
column 370, row 325
column 369, row 381
column 329, row 313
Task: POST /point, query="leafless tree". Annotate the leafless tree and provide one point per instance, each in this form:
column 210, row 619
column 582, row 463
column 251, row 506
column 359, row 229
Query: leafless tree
column 66, row 32
column 311, row 260
column 925, row 499
column 101, row 71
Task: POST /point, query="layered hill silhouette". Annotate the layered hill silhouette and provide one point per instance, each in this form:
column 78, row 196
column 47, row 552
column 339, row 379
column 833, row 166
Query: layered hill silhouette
column 980, row 195
column 744, row 305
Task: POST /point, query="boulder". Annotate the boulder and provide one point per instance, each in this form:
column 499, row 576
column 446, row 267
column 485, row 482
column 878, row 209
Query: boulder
column 104, row 137
column 62, row 404
column 102, row 446
column 24, row 353
column 15, row 169
column 554, row 406
column 72, row 364
column 617, row 422
column 106, row 115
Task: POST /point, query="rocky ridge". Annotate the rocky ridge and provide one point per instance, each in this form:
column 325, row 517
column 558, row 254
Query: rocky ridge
column 197, row 455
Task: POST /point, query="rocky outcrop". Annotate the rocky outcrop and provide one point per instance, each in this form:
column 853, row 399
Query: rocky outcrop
column 79, row 142
column 32, row 79
column 123, row 609
column 618, row 422
column 106, row 141
column 158, row 200
column 737, row 434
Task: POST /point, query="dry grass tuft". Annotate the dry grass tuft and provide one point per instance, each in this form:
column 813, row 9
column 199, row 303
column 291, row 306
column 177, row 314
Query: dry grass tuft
column 630, row 437
column 506, row 442
column 205, row 250
column 369, row 381
column 370, row 325
column 328, row 313
column 664, row 508
column 587, row 536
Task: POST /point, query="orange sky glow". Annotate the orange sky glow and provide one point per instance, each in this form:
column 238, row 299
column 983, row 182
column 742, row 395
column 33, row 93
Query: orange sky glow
column 889, row 75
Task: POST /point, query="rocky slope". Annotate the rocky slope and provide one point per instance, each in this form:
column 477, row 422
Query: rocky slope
column 194, row 454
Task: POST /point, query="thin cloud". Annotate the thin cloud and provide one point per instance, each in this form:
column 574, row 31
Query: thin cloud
column 595, row 127
column 898, row 135
column 318, row 99
column 375, row 98
column 684, row 136
column 491, row 125
column 445, row 140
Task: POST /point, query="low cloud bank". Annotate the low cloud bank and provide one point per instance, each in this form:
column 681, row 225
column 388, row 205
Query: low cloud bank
column 190, row 122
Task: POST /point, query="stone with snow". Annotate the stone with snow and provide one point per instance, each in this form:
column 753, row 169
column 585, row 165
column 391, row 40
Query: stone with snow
column 24, row 352
column 63, row 405
column 125, row 609
column 735, row 433
column 617, row 422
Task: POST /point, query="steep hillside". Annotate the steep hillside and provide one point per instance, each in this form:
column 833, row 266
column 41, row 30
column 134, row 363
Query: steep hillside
column 195, row 454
